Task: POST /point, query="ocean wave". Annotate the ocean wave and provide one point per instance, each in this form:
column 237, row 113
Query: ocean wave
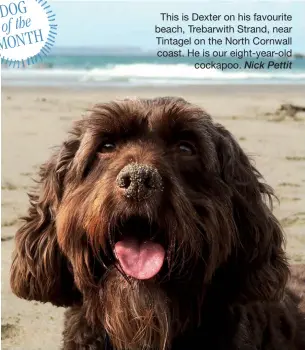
column 144, row 74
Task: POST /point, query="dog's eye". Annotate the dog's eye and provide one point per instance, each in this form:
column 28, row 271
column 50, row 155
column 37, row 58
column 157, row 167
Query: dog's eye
column 107, row 147
column 186, row 148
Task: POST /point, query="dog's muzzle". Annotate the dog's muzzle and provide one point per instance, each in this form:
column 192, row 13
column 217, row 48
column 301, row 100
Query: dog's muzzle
column 139, row 181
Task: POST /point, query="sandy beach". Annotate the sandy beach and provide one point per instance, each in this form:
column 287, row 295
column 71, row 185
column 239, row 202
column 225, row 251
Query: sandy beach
column 36, row 119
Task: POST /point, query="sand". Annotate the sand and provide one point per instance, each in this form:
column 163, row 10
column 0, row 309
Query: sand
column 36, row 119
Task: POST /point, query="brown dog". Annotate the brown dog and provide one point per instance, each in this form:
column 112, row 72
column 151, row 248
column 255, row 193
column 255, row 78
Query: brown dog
column 154, row 227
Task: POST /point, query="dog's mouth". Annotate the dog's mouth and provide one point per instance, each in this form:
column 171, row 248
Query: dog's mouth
column 136, row 248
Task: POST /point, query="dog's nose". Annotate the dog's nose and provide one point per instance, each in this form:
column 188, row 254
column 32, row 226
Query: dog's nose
column 139, row 181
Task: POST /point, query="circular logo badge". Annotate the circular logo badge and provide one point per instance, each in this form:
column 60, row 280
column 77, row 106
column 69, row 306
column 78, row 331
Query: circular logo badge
column 28, row 31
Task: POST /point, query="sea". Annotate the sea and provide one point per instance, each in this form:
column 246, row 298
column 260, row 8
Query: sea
column 125, row 70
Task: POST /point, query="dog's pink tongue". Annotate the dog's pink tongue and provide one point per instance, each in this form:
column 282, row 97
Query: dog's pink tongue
column 140, row 260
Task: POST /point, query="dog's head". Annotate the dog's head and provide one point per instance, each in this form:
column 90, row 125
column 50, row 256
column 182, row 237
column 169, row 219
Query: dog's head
column 147, row 209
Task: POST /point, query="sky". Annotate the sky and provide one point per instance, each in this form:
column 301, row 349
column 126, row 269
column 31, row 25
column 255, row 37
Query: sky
column 131, row 23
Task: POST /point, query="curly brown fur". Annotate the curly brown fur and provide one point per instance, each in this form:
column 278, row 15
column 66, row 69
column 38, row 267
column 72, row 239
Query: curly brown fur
column 223, row 281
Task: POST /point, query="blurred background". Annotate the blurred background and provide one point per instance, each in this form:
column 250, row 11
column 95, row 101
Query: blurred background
column 114, row 43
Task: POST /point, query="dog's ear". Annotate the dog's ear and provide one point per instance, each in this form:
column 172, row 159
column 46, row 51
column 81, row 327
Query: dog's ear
column 39, row 270
column 259, row 257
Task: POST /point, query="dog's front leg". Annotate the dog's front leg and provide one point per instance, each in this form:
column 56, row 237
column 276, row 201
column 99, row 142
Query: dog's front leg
column 268, row 325
column 79, row 335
